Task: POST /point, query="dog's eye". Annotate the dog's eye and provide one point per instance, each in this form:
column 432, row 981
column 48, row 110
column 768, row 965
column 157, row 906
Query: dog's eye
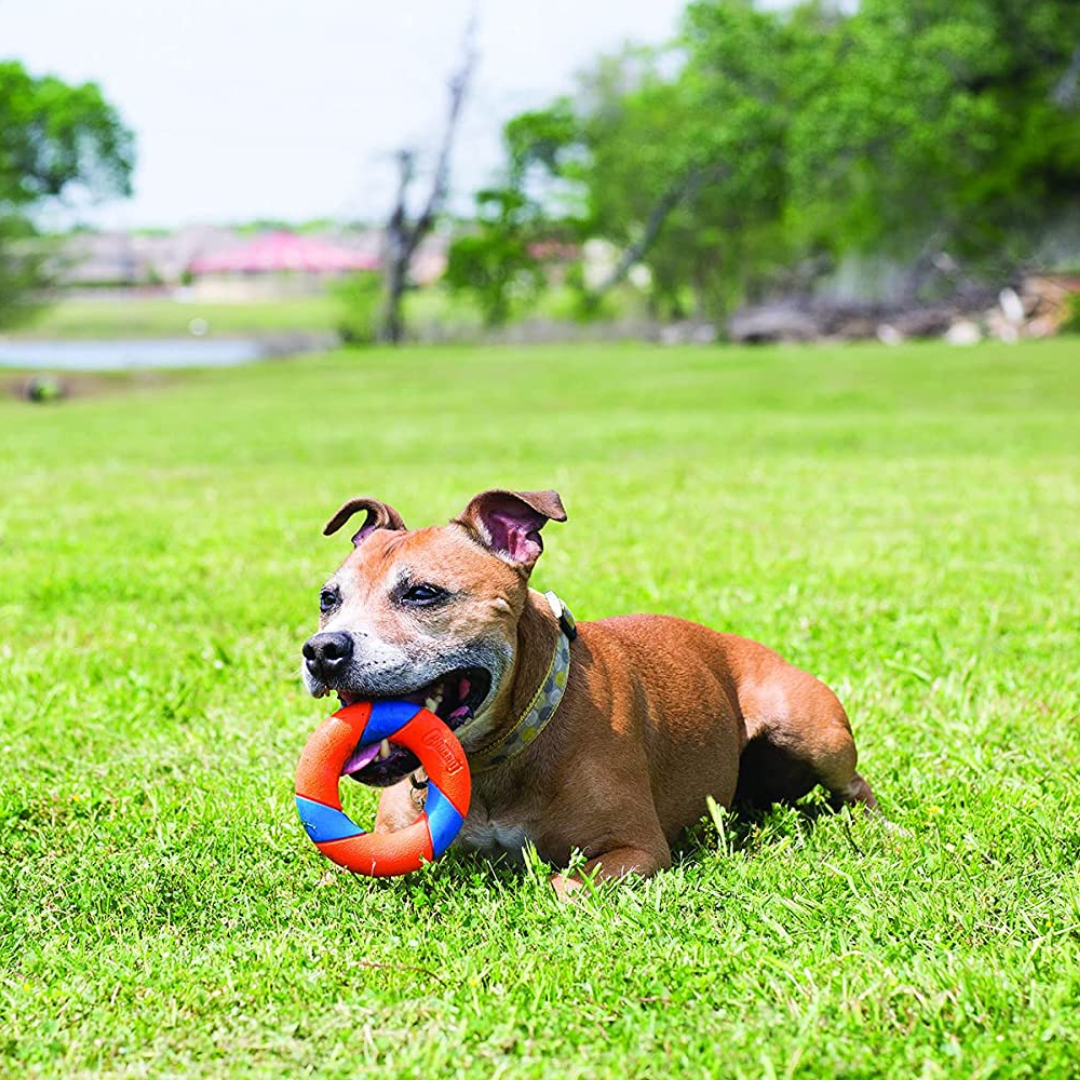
column 423, row 594
column 328, row 599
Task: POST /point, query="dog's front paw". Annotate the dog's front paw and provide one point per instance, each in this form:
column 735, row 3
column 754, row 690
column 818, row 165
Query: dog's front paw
column 566, row 886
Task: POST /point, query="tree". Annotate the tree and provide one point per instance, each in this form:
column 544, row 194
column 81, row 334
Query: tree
column 494, row 260
column 404, row 233
column 939, row 124
column 682, row 172
column 21, row 270
column 54, row 139
column 769, row 144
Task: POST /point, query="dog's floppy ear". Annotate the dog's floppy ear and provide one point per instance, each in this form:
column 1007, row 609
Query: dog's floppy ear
column 379, row 516
column 508, row 523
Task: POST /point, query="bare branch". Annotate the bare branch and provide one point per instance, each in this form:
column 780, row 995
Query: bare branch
column 406, row 160
column 685, row 185
column 459, row 87
column 404, row 237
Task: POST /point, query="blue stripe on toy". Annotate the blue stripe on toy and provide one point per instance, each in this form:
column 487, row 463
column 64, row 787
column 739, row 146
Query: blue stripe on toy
column 387, row 719
column 324, row 822
column 444, row 822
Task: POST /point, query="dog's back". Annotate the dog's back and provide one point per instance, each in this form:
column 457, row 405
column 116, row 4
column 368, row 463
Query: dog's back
column 718, row 714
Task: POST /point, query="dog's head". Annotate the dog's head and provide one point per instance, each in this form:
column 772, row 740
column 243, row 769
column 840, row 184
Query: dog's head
column 426, row 615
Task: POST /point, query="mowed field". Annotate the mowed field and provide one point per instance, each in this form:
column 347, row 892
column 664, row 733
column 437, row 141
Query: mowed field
column 904, row 523
column 140, row 317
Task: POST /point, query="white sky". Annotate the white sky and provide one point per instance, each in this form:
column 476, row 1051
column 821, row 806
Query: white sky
column 290, row 108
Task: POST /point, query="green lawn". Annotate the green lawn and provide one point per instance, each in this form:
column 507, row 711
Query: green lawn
column 153, row 317
column 165, row 317
column 905, row 523
column 433, row 313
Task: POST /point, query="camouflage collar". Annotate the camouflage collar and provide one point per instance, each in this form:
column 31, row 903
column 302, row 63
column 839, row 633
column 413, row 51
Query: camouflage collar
column 544, row 704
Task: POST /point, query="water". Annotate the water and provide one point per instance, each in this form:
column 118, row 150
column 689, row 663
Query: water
column 128, row 355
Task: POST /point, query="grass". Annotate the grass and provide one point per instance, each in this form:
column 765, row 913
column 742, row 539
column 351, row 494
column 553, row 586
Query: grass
column 903, row 522
column 165, row 317
column 433, row 312
column 161, row 316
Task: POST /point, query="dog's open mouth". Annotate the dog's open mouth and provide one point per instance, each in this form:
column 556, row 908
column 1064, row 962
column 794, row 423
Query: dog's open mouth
column 453, row 697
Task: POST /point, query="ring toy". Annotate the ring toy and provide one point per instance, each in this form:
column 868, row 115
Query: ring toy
column 366, row 724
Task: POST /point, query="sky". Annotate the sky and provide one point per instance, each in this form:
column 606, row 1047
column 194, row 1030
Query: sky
column 286, row 109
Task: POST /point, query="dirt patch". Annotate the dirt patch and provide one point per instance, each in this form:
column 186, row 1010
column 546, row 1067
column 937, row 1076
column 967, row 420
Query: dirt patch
column 43, row 388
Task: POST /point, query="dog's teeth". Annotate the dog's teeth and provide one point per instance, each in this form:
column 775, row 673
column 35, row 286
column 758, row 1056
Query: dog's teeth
column 431, row 704
column 384, row 748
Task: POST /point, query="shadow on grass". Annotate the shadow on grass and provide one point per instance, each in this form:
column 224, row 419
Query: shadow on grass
column 752, row 830
column 748, row 831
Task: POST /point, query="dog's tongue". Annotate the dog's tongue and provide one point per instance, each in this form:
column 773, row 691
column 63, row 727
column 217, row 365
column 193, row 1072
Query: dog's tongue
column 365, row 755
column 361, row 756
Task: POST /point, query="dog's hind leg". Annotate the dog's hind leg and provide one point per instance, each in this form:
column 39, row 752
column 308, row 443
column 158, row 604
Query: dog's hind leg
column 858, row 790
column 799, row 736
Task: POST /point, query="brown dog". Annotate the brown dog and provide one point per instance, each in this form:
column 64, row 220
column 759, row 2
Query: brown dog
column 606, row 740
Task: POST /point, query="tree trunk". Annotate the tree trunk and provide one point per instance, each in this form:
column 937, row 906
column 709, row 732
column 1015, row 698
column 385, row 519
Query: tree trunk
column 393, row 320
column 396, row 257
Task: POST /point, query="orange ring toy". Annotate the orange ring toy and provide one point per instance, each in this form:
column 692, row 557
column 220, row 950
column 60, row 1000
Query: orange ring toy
column 366, row 724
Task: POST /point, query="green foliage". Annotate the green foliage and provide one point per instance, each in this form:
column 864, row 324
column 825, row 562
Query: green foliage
column 494, row 261
column 541, row 137
column 933, row 119
column 902, row 522
column 54, row 138
column 777, row 141
column 713, row 134
column 1071, row 324
column 357, row 298
column 21, row 271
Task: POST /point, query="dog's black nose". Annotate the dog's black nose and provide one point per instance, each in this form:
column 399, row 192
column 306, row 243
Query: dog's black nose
column 327, row 655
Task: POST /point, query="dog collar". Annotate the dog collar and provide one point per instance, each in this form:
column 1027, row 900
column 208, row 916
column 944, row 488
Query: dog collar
column 545, row 702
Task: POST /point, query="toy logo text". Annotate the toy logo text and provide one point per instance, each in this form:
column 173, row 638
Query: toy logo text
column 435, row 741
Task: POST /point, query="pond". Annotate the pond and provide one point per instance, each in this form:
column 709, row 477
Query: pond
column 129, row 354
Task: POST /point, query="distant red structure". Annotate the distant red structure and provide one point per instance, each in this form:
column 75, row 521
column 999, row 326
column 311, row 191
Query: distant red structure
column 283, row 252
